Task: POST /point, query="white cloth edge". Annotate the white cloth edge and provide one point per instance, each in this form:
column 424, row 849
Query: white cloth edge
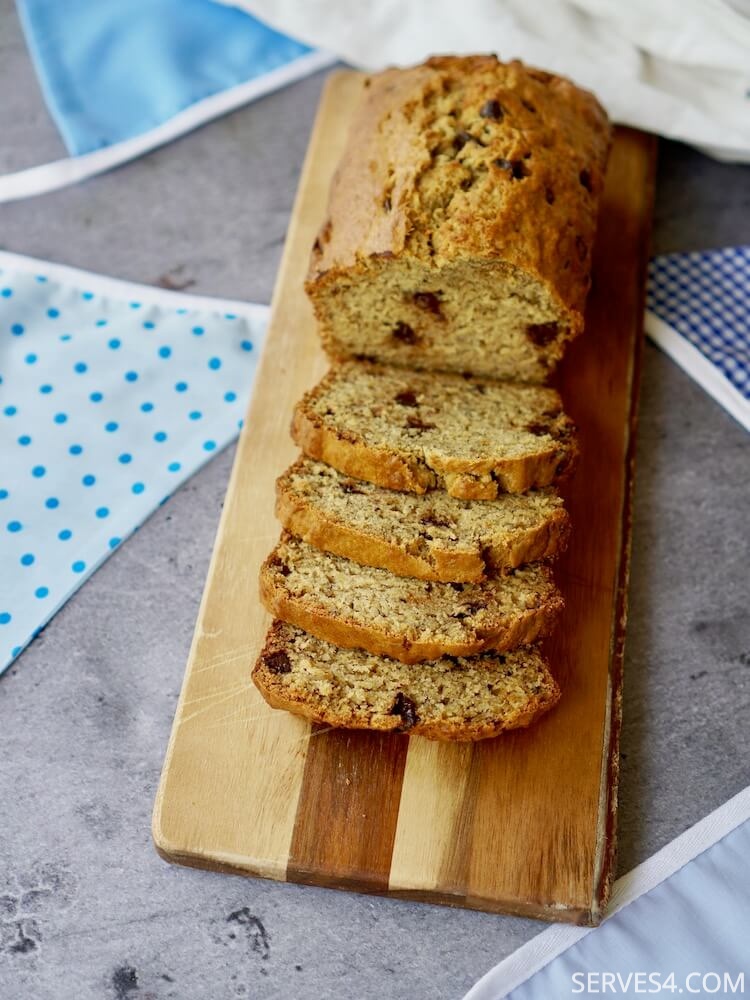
column 119, row 288
column 48, row 177
column 706, row 374
column 541, row 950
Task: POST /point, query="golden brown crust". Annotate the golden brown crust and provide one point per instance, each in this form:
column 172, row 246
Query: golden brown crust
column 331, row 534
column 376, row 465
column 506, row 633
column 281, row 696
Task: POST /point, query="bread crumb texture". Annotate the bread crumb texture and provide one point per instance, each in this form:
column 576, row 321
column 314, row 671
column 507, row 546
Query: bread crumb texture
column 417, row 431
column 403, row 617
column 433, row 536
column 450, row 698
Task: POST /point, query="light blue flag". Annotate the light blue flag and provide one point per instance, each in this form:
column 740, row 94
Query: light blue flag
column 121, row 78
column 111, row 395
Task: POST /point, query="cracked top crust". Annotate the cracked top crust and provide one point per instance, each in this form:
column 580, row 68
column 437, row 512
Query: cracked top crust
column 468, row 158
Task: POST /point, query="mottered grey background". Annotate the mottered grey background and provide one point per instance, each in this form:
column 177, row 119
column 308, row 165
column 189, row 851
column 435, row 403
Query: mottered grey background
column 87, row 909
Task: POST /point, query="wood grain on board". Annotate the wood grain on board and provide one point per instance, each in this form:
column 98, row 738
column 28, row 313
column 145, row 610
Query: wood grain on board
column 524, row 823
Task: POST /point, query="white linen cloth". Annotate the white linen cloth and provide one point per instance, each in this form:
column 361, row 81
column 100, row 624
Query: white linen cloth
column 679, row 68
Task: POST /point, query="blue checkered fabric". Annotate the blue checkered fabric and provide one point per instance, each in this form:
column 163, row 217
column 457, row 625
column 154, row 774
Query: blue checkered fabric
column 705, row 297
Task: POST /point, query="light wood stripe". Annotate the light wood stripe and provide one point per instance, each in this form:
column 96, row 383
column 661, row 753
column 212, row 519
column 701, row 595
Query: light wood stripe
column 428, row 854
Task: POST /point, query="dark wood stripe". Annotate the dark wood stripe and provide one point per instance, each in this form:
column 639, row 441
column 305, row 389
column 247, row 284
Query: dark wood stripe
column 348, row 810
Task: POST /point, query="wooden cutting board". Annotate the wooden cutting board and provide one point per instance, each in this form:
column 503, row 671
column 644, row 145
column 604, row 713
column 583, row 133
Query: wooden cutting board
column 522, row 824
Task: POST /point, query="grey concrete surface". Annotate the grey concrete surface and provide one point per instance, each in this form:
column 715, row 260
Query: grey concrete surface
column 87, row 909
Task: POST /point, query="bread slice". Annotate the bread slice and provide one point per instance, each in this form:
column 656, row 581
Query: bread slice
column 411, row 620
column 432, row 537
column 419, row 431
column 461, row 219
column 445, row 699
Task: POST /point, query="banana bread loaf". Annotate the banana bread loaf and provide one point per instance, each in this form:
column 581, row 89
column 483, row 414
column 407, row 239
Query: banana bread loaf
column 461, row 220
column 418, row 431
column 433, row 536
column 410, row 620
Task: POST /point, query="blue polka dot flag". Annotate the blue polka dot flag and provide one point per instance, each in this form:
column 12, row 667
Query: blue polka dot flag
column 698, row 311
column 111, row 396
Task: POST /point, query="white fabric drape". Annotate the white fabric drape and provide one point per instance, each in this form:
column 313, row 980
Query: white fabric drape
column 679, row 68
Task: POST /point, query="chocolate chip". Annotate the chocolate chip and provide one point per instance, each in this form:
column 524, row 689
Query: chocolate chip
column 585, row 178
column 516, row 168
column 469, row 609
column 404, row 333
column 416, row 423
column 457, row 586
column 428, row 301
column 466, row 183
column 364, row 357
column 542, row 334
column 407, row 397
column 538, row 428
column 549, row 194
column 491, row 109
column 280, row 566
column 405, row 708
column 278, row 662
column 462, row 137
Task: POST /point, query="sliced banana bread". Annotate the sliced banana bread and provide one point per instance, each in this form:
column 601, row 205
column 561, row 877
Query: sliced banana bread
column 433, row 536
column 418, row 431
column 411, row 620
column 461, row 219
column 446, row 699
